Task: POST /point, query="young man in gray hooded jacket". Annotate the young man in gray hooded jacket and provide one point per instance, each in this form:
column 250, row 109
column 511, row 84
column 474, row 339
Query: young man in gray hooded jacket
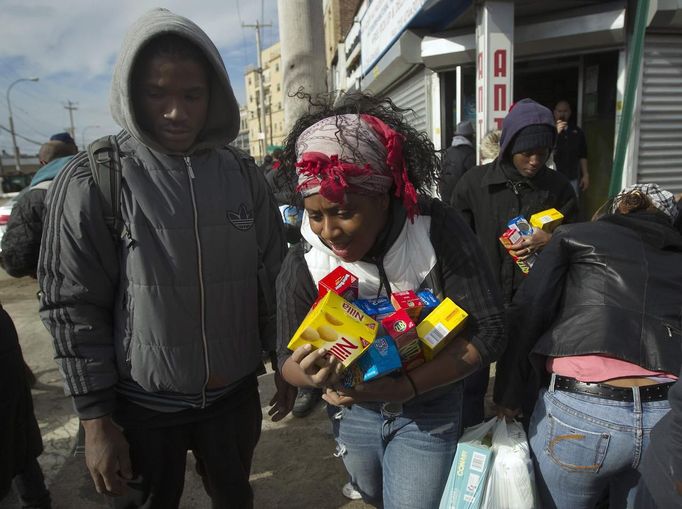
column 159, row 334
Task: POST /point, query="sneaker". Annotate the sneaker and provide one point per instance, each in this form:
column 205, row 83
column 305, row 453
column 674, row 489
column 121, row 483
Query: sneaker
column 306, row 400
column 350, row 492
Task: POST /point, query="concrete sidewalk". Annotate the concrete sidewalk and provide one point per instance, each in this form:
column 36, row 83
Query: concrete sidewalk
column 293, row 467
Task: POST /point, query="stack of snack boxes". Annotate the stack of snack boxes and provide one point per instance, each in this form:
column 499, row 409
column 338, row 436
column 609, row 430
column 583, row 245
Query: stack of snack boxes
column 519, row 227
column 416, row 326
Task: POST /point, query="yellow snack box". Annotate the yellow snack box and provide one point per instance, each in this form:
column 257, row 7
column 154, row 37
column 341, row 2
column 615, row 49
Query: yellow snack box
column 440, row 326
column 547, row 220
column 339, row 326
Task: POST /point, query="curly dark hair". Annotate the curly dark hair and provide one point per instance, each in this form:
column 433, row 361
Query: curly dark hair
column 421, row 158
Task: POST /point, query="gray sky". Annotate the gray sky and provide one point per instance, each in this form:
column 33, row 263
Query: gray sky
column 71, row 46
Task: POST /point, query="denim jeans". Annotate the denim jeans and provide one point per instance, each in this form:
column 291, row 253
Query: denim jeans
column 402, row 459
column 584, row 445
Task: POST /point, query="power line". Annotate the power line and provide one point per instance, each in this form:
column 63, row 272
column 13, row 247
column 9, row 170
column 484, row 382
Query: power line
column 20, row 136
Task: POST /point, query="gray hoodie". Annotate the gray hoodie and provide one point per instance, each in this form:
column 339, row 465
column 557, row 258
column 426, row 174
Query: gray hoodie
column 222, row 125
column 176, row 314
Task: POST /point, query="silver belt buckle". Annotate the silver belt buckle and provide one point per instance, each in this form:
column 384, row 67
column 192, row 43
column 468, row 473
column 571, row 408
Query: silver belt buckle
column 391, row 410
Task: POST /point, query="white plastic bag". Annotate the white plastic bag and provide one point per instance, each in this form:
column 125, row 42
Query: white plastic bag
column 511, row 481
column 469, row 470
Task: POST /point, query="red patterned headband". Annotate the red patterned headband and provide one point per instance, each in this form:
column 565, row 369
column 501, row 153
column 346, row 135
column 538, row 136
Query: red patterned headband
column 327, row 164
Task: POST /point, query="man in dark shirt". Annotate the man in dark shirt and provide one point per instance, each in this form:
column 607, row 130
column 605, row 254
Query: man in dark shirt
column 570, row 152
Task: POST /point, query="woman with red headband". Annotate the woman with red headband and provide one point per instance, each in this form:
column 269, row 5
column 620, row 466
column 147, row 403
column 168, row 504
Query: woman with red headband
column 361, row 169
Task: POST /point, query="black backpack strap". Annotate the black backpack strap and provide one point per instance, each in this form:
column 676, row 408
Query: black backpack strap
column 105, row 165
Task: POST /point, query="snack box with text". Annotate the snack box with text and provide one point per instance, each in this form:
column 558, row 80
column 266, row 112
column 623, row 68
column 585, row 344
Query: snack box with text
column 378, row 308
column 521, row 224
column 440, row 326
column 334, row 323
column 403, row 330
column 547, row 220
column 409, row 301
column 429, row 302
column 471, row 467
column 527, row 264
column 510, row 237
column 341, row 282
column 380, row 359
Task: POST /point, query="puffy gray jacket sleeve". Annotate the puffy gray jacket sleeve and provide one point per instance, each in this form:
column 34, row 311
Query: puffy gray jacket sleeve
column 78, row 273
column 272, row 249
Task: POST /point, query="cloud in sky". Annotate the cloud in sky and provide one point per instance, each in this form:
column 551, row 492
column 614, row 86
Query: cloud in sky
column 72, row 46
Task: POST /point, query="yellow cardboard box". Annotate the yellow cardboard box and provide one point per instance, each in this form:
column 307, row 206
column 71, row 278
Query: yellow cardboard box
column 440, row 326
column 547, row 220
column 334, row 323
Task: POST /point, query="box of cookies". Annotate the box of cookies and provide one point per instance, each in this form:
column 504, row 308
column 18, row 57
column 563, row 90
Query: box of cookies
column 339, row 326
column 341, row 282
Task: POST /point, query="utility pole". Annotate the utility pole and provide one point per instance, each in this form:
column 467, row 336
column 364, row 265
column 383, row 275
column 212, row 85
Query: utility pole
column 261, row 92
column 71, row 107
column 17, row 155
column 301, row 33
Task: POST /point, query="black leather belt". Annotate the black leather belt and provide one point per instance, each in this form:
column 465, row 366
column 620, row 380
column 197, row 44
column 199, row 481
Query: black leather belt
column 647, row 393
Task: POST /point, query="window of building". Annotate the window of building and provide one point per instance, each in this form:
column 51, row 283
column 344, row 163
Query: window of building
column 276, row 67
column 278, row 87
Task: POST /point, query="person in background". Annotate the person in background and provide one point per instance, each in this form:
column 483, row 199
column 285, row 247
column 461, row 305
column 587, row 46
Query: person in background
column 360, row 166
column 595, row 330
column 159, row 329
column 490, row 146
column 20, row 440
column 516, row 183
column 458, row 158
column 570, row 151
column 21, row 241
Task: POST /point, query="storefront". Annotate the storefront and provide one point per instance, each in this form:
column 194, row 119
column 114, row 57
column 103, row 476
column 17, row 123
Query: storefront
column 575, row 57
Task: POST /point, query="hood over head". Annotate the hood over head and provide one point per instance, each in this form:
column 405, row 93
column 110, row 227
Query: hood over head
column 524, row 113
column 222, row 123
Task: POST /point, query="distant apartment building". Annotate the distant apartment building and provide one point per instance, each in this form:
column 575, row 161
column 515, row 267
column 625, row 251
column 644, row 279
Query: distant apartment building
column 339, row 18
column 263, row 139
column 242, row 139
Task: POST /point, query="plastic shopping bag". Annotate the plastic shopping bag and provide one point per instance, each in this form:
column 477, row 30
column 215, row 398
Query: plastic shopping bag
column 511, row 481
column 469, row 471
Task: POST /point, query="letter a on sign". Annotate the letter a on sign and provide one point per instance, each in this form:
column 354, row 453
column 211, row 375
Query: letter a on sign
column 500, row 63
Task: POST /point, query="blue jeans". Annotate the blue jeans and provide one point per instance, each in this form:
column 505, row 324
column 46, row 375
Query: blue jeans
column 401, row 460
column 584, row 445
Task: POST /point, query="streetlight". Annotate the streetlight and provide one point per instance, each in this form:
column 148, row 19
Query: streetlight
column 11, row 121
column 83, row 134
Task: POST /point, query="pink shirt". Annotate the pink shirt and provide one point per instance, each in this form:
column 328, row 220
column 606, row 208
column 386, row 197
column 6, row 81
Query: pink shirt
column 597, row 368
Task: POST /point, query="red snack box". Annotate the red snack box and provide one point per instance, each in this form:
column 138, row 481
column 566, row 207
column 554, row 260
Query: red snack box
column 340, row 282
column 510, row 237
column 401, row 328
column 409, row 301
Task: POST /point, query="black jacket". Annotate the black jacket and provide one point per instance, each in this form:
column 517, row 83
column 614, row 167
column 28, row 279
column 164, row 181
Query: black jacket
column 456, row 161
column 20, row 440
column 610, row 287
column 490, row 195
column 21, row 241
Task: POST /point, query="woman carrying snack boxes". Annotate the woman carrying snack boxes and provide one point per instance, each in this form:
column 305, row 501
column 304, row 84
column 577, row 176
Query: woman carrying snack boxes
column 360, row 170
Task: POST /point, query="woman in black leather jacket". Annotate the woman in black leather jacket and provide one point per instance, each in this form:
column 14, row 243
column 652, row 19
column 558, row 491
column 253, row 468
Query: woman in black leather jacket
column 599, row 316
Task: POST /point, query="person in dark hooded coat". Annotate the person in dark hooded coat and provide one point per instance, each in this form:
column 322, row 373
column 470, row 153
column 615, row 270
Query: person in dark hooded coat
column 517, row 182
